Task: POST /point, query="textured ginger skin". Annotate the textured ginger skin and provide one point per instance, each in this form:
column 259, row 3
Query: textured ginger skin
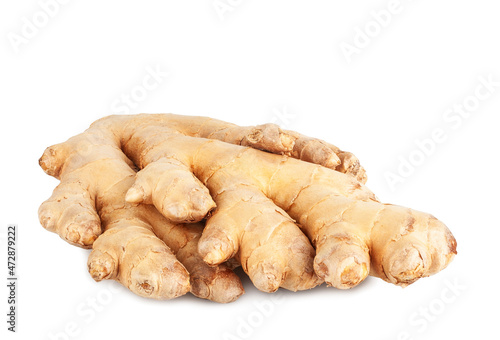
column 352, row 232
column 137, row 243
column 259, row 197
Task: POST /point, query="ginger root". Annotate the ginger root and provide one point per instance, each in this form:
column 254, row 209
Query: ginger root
column 289, row 222
column 138, row 244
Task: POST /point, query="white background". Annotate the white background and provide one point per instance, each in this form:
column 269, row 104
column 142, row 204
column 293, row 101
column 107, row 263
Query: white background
column 262, row 61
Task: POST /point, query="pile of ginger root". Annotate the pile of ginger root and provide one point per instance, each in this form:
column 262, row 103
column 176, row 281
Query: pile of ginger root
column 172, row 204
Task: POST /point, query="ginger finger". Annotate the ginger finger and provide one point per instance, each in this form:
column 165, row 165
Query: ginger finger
column 267, row 137
column 273, row 251
column 130, row 253
column 173, row 189
column 217, row 283
column 70, row 212
column 329, row 208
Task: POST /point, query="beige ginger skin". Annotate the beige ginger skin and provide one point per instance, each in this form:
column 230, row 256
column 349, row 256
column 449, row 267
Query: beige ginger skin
column 289, row 222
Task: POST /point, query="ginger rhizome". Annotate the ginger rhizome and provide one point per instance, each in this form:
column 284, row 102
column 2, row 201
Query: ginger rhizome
column 138, row 244
column 292, row 217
